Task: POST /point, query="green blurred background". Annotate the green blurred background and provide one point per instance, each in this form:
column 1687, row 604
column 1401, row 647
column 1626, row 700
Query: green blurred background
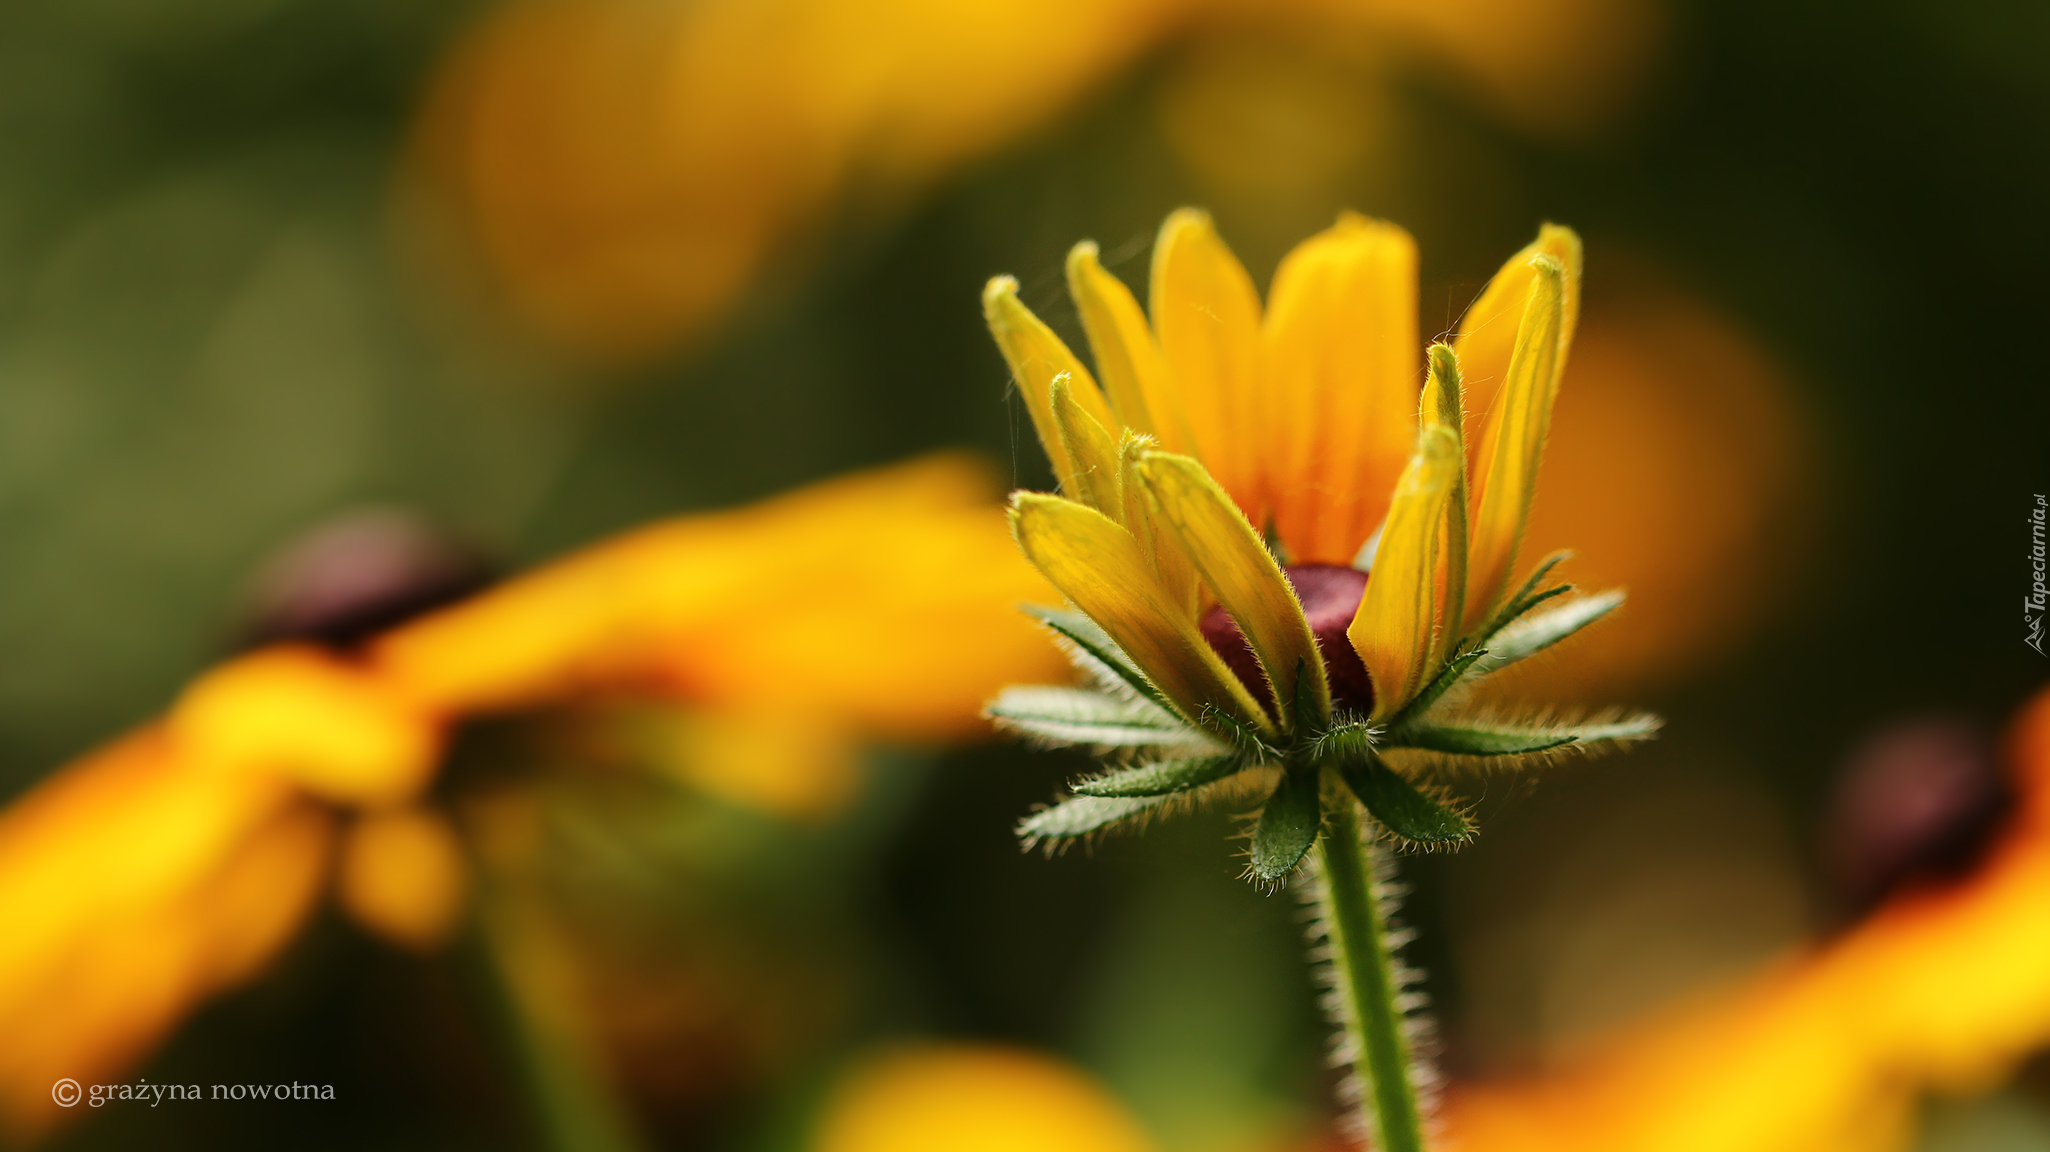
column 210, row 341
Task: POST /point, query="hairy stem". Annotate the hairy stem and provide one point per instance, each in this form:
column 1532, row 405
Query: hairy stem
column 1367, row 984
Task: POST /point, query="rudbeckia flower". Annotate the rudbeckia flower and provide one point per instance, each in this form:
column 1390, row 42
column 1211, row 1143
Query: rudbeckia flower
column 177, row 861
column 1280, row 551
column 1287, row 571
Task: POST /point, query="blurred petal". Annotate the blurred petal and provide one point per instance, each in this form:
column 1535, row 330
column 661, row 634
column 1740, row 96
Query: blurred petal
column 957, row 1097
column 147, row 935
column 403, row 876
column 1237, row 567
column 112, row 837
column 327, row 725
column 1341, row 378
column 1397, row 624
column 1207, row 316
column 1098, row 566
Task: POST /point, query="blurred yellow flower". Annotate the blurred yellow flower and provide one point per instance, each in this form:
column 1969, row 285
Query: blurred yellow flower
column 178, row 860
column 1944, row 989
column 614, row 174
column 963, row 1097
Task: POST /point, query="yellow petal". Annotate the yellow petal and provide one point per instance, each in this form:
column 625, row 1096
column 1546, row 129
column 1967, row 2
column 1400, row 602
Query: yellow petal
column 1207, row 316
column 1515, row 440
column 1395, row 628
column 1440, row 407
column 1341, row 377
column 403, row 875
column 1099, row 567
column 1089, row 448
column 1127, row 357
column 1239, row 569
column 1487, row 333
column 1037, row 358
column 1171, row 565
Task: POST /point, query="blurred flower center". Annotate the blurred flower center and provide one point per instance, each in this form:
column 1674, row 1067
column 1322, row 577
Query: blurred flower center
column 359, row 574
column 1331, row 596
column 1919, row 801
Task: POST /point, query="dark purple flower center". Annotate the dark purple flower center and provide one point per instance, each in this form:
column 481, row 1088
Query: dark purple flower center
column 1331, row 595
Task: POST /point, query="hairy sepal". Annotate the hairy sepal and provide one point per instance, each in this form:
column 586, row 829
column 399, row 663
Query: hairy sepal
column 1161, row 778
column 1091, row 650
column 1080, row 816
column 1453, row 670
column 1287, row 828
column 1078, row 716
column 1527, row 742
column 1529, row 635
column 1401, row 806
column 1528, row 597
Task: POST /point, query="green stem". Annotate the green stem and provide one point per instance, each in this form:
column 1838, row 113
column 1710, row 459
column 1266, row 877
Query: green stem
column 1367, row 983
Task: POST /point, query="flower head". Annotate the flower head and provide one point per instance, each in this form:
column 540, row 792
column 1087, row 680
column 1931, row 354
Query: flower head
column 1285, row 552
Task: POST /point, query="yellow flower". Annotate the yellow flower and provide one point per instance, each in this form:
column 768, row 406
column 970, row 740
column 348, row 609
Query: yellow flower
column 1218, row 424
column 1943, row 988
column 178, row 860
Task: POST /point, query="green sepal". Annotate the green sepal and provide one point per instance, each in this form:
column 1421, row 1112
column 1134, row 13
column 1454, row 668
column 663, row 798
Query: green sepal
column 1491, row 739
column 1440, row 684
column 1161, row 779
column 1092, row 650
column 1399, row 805
column 1527, row 597
column 1246, row 741
column 1470, row 741
column 1522, row 638
column 1287, row 828
column 1079, row 716
column 1081, row 815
